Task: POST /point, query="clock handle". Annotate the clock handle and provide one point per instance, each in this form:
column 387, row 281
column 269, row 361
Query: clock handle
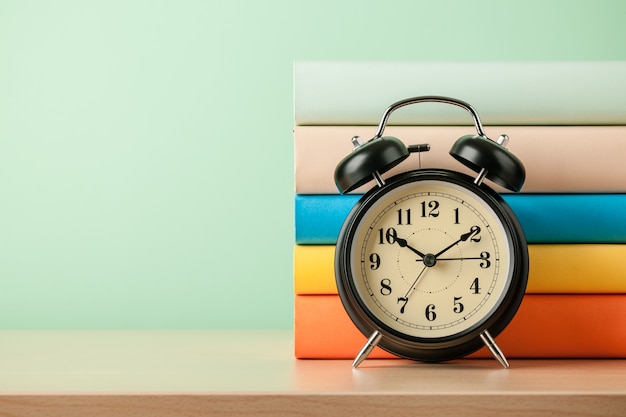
column 488, row 158
column 429, row 99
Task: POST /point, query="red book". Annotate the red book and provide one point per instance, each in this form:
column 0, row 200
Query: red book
column 546, row 326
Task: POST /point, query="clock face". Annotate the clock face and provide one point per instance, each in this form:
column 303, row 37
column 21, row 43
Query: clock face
column 430, row 259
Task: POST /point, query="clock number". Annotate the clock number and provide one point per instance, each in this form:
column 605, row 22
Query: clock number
column 485, row 257
column 433, row 205
column 375, row 260
column 385, row 286
column 475, row 231
column 389, row 236
column 430, row 312
column 400, row 300
column 458, row 306
column 404, row 219
column 475, row 287
column 456, row 216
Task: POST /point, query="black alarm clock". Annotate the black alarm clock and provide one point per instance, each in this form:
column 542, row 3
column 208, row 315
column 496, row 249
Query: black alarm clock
column 431, row 264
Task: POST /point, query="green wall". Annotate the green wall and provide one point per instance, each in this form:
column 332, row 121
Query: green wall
column 146, row 157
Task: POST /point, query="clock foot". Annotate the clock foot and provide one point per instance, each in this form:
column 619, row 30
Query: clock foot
column 367, row 348
column 493, row 348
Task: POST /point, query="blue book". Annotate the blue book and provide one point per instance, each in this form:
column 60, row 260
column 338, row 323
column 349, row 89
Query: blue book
column 545, row 218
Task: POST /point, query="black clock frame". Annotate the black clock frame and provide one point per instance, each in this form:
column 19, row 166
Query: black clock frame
column 444, row 348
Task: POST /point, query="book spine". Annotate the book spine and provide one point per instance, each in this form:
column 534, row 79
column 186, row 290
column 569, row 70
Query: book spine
column 545, row 218
column 545, row 326
column 553, row 269
column 562, row 93
column 558, row 159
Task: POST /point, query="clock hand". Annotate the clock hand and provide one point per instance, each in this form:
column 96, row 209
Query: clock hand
column 484, row 256
column 463, row 238
column 411, row 288
column 461, row 259
column 403, row 244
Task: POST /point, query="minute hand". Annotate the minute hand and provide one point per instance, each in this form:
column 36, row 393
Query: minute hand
column 463, row 238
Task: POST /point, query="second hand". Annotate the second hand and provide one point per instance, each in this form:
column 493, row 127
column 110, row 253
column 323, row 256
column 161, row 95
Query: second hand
column 411, row 288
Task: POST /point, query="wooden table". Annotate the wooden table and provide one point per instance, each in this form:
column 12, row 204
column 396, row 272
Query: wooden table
column 237, row 373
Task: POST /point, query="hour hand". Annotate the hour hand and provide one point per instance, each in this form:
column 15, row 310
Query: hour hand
column 403, row 244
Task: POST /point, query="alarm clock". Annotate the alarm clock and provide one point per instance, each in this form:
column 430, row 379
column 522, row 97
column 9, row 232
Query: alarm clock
column 431, row 264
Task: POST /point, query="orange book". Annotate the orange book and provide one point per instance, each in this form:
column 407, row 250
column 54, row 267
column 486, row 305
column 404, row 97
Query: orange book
column 546, row 326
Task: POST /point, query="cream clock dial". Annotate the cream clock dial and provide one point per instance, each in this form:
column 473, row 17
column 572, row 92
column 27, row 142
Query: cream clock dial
column 431, row 261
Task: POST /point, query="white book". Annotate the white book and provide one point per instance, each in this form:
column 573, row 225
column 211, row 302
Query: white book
column 503, row 93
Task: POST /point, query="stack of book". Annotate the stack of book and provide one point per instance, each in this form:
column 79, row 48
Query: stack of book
column 567, row 124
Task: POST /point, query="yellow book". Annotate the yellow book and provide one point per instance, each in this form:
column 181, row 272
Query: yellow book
column 554, row 268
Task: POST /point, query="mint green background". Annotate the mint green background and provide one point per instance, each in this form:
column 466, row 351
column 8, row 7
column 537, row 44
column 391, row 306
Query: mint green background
column 146, row 157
